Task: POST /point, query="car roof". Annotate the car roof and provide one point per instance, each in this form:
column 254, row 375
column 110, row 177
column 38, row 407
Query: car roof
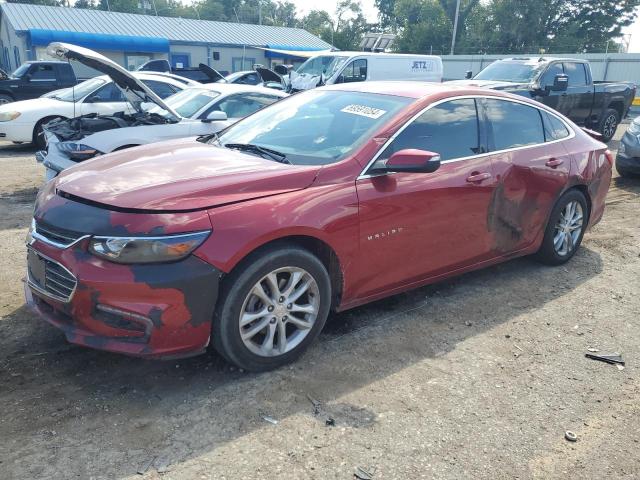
column 542, row 59
column 153, row 76
column 426, row 91
column 229, row 88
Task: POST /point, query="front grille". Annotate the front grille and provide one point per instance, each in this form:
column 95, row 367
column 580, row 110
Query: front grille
column 56, row 236
column 53, row 280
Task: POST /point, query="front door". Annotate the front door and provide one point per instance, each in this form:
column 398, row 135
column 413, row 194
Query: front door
column 419, row 225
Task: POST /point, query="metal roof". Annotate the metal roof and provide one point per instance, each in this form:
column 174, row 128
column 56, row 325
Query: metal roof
column 24, row 17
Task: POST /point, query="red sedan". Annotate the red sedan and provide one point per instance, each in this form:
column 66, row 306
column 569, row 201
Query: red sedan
column 324, row 201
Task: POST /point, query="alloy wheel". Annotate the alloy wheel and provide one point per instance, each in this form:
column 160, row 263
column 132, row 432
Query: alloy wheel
column 610, row 125
column 279, row 311
column 568, row 228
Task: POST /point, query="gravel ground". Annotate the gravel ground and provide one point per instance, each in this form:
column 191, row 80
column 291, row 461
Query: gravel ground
column 478, row 377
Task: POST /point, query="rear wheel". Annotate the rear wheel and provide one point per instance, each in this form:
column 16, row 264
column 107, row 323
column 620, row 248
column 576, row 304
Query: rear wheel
column 609, row 124
column 5, row 99
column 565, row 229
column 272, row 308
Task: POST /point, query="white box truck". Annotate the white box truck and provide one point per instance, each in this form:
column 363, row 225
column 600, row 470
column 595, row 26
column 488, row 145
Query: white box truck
column 345, row 67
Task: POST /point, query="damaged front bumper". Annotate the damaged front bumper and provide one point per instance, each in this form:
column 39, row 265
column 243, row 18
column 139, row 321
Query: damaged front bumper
column 156, row 310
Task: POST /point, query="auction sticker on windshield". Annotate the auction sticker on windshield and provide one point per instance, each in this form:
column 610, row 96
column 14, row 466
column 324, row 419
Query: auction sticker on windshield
column 364, row 111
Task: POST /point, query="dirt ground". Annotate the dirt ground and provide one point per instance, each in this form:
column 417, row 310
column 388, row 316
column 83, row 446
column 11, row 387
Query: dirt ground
column 478, row 377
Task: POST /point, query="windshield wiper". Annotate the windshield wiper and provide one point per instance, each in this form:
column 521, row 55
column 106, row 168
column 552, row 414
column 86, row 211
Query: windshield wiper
column 250, row 147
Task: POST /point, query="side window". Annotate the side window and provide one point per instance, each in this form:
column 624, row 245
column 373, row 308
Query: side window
column 548, row 76
column 42, row 72
column 242, row 105
column 163, row 90
column 107, row 93
column 576, row 73
column 450, row 129
column 249, row 79
column 554, row 129
column 513, row 124
column 356, row 71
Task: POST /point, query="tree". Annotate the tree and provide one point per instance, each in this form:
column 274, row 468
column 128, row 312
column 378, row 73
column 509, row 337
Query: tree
column 349, row 26
column 424, row 28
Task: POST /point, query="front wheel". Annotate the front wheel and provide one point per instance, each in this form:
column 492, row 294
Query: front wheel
column 272, row 308
column 565, row 229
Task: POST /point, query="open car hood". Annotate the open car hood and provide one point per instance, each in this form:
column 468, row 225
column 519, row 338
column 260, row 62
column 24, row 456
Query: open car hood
column 176, row 176
column 268, row 75
column 134, row 90
column 212, row 73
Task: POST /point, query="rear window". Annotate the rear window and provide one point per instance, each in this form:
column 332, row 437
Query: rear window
column 554, row 128
column 513, row 124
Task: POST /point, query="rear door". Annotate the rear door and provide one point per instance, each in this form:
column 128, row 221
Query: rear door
column 418, row 225
column 41, row 79
column 580, row 91
column 532, row 166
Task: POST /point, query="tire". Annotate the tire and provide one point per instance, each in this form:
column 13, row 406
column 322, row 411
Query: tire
column 623, row 172
column 609, row 124
column 550, row 251
column 237, row 300
column 4, row 99
column 39, row 140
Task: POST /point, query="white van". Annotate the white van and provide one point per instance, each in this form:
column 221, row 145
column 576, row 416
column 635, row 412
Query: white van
column 345, row 67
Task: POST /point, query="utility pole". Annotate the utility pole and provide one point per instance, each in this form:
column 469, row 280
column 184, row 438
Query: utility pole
column 455, row 27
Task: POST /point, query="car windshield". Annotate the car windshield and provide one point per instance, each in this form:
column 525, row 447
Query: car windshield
column 516, row 72
column 316, row 127
column 324, row 64
column 187, row 102
column 81, row 90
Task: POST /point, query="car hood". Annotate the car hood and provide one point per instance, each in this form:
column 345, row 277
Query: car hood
column 492, row 84
column 135, row 91
column 268, row 75
column 212, row 73
column 180, row 175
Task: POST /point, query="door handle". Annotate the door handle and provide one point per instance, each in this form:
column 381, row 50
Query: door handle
column 478, row 177
column 554, row 162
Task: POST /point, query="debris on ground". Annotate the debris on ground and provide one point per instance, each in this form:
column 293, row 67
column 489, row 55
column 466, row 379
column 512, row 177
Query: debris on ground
column 269, row 419
column 330, row 422
column 362, row 474
column 315, row 403
column 569, row 435
column 145, row 466
column 613, row 358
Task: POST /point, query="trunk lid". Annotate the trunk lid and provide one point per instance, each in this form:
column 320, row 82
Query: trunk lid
column 180, row 175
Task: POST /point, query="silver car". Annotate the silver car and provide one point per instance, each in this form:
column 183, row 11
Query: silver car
column 628, row 159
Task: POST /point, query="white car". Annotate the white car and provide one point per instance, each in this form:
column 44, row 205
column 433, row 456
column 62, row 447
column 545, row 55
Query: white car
column 22, row 121
column 197, row 110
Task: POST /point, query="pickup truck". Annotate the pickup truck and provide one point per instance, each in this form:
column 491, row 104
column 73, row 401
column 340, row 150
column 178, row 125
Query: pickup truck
column 564, row 84
column 33, row 79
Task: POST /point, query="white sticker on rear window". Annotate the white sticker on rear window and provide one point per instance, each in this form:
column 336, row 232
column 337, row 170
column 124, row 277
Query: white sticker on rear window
column 364, row 111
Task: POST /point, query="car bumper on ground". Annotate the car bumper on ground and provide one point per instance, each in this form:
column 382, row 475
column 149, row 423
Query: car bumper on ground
column 16, row 132
column 153, row 310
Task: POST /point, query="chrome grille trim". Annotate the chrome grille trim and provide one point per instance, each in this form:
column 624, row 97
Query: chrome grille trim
column 51, row 236
column 53, row 288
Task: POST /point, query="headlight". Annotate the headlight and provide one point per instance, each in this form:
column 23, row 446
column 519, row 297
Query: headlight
column 8, row 116
column 168, row 248
column 78, row 151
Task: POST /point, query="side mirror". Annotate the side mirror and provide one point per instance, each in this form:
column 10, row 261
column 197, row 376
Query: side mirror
column 560, row 83
column 468, row 74
column 412, row 160
column 215, row 116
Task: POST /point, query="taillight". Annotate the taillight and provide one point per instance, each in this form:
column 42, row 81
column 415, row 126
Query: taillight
column 609, row 155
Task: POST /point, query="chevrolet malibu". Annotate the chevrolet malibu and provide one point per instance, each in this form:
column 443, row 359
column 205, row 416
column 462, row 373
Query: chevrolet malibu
column 321, row 202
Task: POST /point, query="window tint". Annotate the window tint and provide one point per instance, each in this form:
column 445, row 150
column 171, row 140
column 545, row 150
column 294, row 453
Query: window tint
column 356, row 71
column 551, row 72
column 513, row 124
column 450, row 129
column 108, row 93
column 576, row 73
column 554, row 129
column 42, row 72
column 249, row 79
column 242, row 105
column 163, row 90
